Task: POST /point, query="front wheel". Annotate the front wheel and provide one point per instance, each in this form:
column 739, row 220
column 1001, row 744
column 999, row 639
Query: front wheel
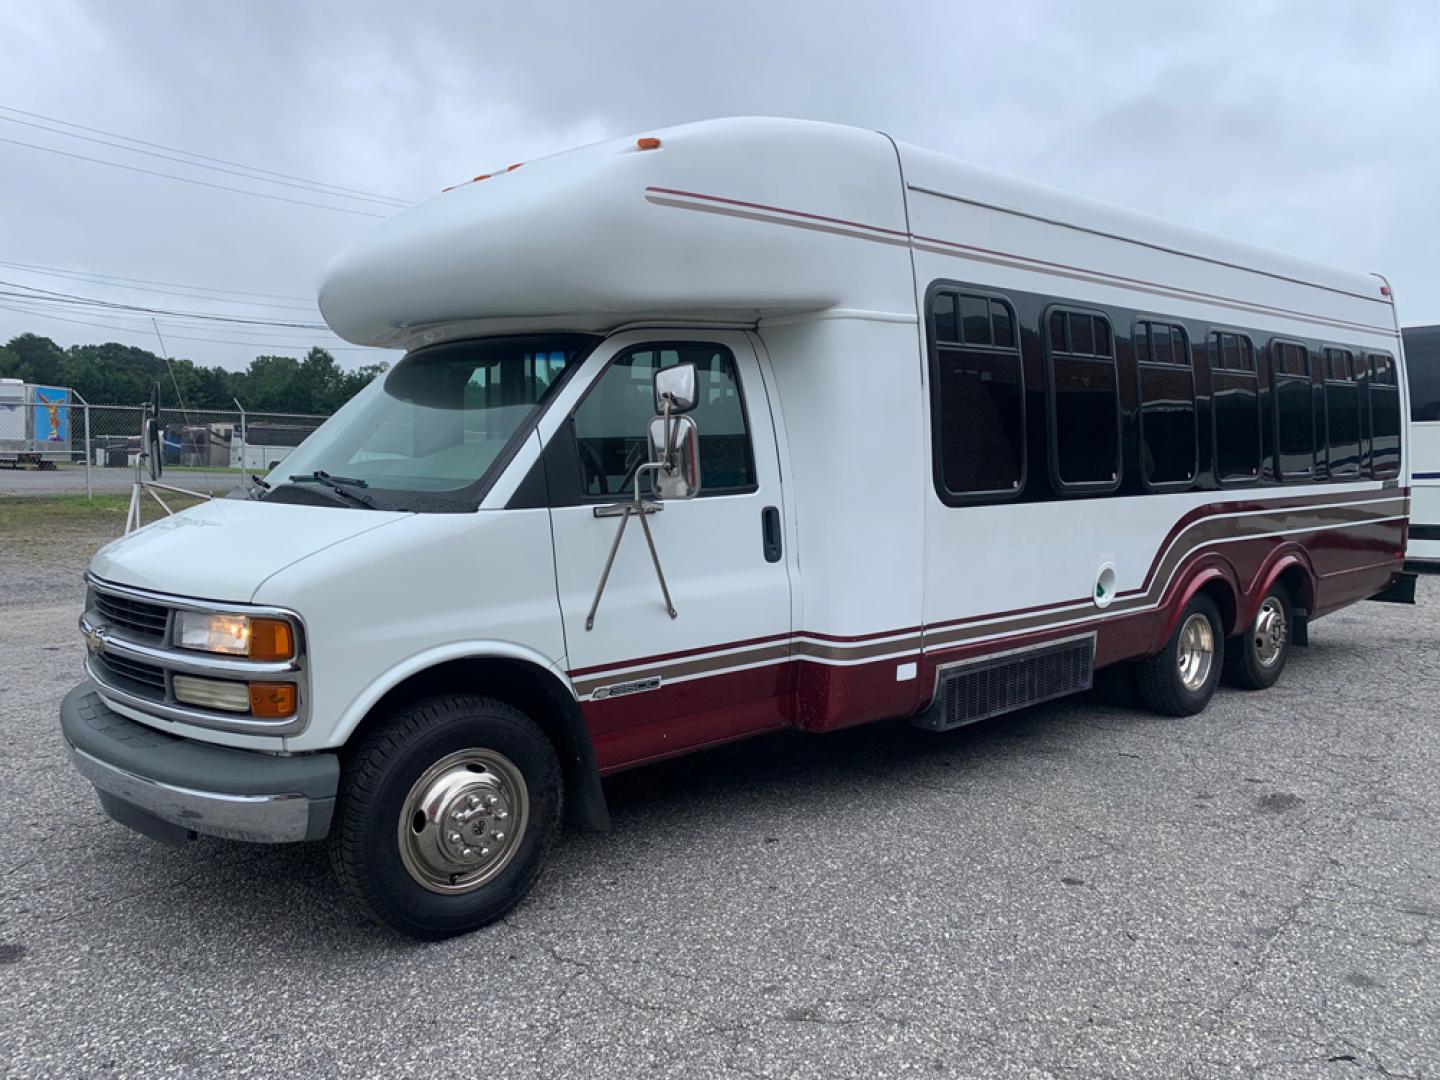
column 1255, row 659
column 1181, row 679
column 445, row 815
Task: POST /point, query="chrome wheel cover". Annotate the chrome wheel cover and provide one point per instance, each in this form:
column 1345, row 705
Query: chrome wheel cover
column 1270, row 633
column 1196, row 653
column 463, row 821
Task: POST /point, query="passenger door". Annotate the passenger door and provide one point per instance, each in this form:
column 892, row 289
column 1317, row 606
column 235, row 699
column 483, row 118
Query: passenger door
column 651, row 685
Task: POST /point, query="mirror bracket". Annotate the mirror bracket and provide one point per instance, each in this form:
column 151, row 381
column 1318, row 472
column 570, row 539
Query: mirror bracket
column 641, row 508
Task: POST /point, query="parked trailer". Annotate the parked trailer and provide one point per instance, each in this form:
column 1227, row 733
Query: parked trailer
column 1422, row 365
column 261, row 447
column 34, row 424
column 902, row 438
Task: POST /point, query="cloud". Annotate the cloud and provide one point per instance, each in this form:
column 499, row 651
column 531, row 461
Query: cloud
column 1308, row 127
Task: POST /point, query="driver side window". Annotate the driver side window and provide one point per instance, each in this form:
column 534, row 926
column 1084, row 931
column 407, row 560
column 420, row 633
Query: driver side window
column 610, row 422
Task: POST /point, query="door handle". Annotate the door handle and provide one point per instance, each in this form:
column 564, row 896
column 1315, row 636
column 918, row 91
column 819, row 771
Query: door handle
column 770, row 533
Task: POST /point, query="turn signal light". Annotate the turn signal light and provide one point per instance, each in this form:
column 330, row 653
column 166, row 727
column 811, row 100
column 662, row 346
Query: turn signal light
column 647, row 143
column 272, row 701
column 271, row 639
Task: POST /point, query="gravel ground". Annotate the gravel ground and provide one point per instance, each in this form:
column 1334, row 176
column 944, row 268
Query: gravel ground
column 1080, row 889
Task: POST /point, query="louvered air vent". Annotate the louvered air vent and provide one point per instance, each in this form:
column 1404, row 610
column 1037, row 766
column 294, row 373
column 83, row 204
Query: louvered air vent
column 988, row 686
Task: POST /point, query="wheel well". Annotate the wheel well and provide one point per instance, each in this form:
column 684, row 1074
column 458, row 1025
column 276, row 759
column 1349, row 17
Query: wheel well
column 535, row 692
column 1298, row 590
column 1219, row 590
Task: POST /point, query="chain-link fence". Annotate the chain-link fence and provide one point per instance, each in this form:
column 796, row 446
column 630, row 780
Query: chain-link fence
column 55, row 444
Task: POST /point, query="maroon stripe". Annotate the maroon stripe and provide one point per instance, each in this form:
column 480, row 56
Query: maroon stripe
column 1216, row 509
column 996, row 253
column 679, row 654
column 1178, row 290
column 780, row 210
column 1199, row 513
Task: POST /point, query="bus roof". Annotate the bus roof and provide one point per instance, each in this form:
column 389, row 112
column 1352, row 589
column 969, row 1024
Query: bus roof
column 621, row 231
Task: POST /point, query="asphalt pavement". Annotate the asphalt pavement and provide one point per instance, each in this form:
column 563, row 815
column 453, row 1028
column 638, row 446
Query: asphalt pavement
column 1081, row 889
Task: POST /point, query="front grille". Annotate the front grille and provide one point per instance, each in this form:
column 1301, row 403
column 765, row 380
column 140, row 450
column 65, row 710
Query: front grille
column 135, row 676
column 989, row 686
column 147, row 620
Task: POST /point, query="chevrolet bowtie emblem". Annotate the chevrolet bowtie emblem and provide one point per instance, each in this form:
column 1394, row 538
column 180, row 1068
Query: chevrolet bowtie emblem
column 94, row 638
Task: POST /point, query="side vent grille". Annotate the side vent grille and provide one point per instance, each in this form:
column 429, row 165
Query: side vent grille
column 979, row 689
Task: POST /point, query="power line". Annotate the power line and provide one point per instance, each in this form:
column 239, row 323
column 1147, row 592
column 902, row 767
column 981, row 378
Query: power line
column 50, row 296
column 202, row 157
column 260, row 336
column 164, row 292
column 178, row 337
column 192, row 180
column 62, row 271
column 306, row 186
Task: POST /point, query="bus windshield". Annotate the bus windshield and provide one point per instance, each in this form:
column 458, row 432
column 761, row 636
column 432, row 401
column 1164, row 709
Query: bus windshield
column 431, row 433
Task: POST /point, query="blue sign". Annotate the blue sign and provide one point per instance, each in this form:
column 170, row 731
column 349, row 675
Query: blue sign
column 52, row 414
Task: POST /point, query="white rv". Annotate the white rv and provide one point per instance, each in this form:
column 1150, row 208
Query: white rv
column 1422, row 364
column 740, row 426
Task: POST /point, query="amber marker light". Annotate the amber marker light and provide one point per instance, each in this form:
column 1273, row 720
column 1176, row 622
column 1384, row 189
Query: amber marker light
column 272, row 701
column 647, row 143
column 271, row 639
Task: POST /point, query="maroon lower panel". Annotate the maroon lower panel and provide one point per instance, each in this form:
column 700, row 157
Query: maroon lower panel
column 1343, row 565
column 677, row 717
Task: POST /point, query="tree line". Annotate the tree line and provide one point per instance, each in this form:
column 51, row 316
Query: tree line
column 115, row 374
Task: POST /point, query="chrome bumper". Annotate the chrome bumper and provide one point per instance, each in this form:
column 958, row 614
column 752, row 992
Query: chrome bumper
column 169, row 788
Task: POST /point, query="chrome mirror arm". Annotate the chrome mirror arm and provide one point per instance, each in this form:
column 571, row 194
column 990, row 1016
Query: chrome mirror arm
column 636, row 507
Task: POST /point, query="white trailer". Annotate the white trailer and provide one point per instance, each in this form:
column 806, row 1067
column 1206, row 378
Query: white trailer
column 34, row 424
column 891, row 435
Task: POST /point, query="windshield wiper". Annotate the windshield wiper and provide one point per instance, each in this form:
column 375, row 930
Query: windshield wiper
column 341, row 485
column 257, row 487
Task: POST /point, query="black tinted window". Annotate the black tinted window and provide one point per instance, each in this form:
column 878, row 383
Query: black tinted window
column 977, row 398
column 1422, row 370
column 1085, row 408
column 1235, row 407
column 1168, row 448
column 1384, row 407
column 611, row 421
column 1293, row 399
column 1343, row 406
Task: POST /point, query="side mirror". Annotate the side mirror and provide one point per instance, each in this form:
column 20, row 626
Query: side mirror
column 675, row 447
column 677, row 384
column 154, row 449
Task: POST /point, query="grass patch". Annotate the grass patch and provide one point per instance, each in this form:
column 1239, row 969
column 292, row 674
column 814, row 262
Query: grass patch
column 42, row 516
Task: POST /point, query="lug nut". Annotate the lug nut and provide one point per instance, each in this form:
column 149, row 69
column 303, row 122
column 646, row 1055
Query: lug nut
column 453, row 837
column 501, row 815
column 491, row 800
column 465, row 853
column 472, row 801
column 499, row 836
column 484, row 851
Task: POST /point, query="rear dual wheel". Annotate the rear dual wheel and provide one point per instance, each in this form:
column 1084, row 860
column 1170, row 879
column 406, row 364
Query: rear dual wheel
column 1181, row 679
column 1255, row 659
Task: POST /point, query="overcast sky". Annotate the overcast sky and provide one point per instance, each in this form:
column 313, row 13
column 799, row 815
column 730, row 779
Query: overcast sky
column 1309, row 127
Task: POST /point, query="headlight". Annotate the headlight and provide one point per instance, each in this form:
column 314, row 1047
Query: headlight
column 235, row 635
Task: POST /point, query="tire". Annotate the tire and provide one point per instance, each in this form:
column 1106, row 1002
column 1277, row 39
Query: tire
column 488, row 773
column 1255, row 659
column 1159, row 679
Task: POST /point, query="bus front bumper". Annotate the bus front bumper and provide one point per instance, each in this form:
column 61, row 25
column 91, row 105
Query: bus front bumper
column 170, row 788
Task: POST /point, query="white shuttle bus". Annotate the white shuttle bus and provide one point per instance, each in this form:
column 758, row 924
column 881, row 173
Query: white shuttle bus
column 741, row 426
column 1422, row 365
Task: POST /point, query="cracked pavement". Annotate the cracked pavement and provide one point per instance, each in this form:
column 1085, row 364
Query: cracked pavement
column 1081, row 889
